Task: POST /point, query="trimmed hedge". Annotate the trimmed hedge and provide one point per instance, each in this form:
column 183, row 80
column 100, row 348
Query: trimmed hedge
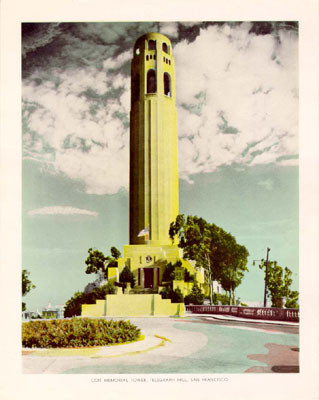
column 77, row 332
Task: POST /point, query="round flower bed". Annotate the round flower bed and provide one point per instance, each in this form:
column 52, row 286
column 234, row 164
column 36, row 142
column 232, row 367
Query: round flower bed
column 77, row 332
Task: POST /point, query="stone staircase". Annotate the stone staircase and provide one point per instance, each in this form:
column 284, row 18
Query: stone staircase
column 138, row 290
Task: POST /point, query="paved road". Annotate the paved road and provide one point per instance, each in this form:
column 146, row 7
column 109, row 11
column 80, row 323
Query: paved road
column 269, row 326
column 195, row 344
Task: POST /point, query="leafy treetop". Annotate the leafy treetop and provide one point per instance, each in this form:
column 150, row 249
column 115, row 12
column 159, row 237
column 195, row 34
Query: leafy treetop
column 213, row 249
column 97, row 261
column 279, row 281
column 27, row 285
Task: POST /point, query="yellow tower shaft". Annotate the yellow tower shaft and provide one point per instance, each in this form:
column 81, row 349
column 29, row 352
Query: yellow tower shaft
column 153, row 141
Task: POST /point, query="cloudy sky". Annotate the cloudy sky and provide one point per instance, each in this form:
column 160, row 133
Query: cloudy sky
column 237, row 105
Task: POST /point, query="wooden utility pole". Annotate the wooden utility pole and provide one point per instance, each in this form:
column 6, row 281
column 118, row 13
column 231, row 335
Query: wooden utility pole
column 266, row 278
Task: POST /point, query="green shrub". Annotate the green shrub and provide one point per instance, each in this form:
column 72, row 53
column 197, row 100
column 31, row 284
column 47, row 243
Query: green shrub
column 100, row 292
column 188, row 277
column 126, row 275
column 169, row 274
column 196, row 296
column 77, row 332
column 177, row 296
column 220, row 298
column 73, row 305
column 166, row 292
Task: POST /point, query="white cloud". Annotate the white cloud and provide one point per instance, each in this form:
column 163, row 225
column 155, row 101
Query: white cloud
column 81, row 125
column 288, row 163
column 240, row 81
column 169, row 28
column 267, row 183
column 117, row 62
column 61, row 210
column 236, row 103
column 190, row 23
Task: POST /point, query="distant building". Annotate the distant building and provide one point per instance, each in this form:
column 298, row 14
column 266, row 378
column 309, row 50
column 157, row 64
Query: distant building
column 27, row 315
column 217, row 287
column 54, row 312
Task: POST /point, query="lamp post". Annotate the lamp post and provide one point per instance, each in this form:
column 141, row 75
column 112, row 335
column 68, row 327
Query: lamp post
column 266, row 275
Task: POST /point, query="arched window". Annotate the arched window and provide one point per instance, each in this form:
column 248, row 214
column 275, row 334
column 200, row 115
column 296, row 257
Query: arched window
column 152, row 44
column 136, row 87
column 151, row 81
column 167, row 84
column 165, row 48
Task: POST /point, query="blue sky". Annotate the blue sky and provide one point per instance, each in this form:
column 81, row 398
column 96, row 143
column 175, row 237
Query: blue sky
column 237, row 105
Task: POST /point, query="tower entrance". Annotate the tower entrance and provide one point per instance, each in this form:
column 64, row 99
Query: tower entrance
column 148, row 277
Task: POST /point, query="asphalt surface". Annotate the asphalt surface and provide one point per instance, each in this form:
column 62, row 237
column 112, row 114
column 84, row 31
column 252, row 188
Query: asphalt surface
column 282, row 326
column 194, row 344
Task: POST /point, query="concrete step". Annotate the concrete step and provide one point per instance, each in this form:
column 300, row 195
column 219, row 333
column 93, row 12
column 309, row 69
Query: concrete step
column 144, row 291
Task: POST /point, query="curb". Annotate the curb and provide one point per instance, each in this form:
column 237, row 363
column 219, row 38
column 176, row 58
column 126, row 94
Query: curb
column 149, row 343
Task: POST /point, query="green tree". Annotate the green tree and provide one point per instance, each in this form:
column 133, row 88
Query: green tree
column 195, row 238
column 292, row 301
column 126, row 276
column 97, row 261
column 211, row 248
column 73, row 305
column 233, row 272
column 27, row 285
column 115, row 253
column 278, row 284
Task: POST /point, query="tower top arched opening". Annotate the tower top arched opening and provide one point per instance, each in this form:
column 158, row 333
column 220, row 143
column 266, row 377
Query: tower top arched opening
column 146, row 42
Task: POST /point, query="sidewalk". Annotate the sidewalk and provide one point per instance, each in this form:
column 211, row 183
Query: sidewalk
column 161, row 338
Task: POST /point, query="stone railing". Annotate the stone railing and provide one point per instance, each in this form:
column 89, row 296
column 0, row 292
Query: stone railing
column 277, row 314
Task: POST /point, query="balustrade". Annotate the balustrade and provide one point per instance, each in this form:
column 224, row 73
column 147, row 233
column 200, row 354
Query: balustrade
column 277, row 314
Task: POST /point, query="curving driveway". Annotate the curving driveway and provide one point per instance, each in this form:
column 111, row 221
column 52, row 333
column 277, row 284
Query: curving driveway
column 195, row 344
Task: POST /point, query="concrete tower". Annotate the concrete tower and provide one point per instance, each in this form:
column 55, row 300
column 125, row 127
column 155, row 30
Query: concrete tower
column 153, row 164
column 153, row 141
column 153, row 190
